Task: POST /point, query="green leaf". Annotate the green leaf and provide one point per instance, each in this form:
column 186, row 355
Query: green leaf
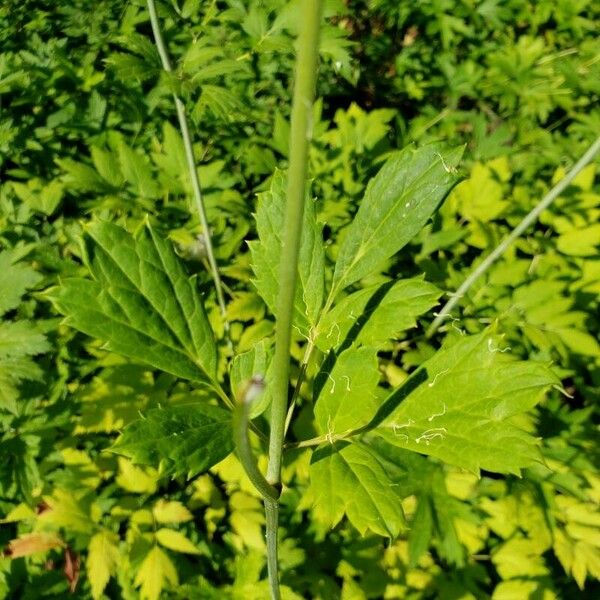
column 458, row 407
column 397, row 203
column 21, row 338
column 176, row 541
column 186, row 439
column 347, row 479
column 15, row 280
column 12, row 372
column 346, row 391
column 102, row 561
column 266, row 253
column 256, row 361
column 376, row 314
column 137, row 171
column 141, row 303
column 154, row 573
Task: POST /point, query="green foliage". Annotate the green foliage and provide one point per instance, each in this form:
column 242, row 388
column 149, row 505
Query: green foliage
column 88, row 137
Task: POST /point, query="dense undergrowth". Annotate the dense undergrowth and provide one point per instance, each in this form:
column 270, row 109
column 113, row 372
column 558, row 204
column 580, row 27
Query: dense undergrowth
column 87, row 130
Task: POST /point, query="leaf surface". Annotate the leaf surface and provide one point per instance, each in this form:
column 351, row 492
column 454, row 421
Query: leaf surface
column 187, row 439
column 266, row 254
column 461, row 407
column 376, row 314
column 141, row 303
column 154, row 573
column 347, row 479
column 397, row 203
column 346, row 392
column 102, row 561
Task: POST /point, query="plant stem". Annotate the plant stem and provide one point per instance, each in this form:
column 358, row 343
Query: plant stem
column 300, row 136
column 191, row 163
column 241, row 421
column 544, row 203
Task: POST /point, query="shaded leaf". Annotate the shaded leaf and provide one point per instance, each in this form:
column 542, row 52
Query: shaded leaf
column 347, row 479
column 186, row 439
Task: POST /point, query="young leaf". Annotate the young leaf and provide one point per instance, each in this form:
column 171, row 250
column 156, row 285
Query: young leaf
column 376, row 314
column 348, row 479
column 102, row 561
column 266, row 253
column 345, row 392
column 461, row 407
column 186, row 439
column 141, row 303
column 156, row 570
column 398, row 202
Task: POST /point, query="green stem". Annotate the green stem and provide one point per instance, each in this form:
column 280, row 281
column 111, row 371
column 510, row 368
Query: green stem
column 544, row 203
column 300, row 136
column 191, row 163
column 241, row 422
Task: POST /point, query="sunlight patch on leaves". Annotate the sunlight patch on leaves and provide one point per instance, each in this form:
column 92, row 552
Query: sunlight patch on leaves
column 397, row 203
column 461, row 413
column 376, row 314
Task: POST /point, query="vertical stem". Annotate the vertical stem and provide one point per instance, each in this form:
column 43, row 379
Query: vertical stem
column 191, row 163
column 300, row 136
column 528, row 220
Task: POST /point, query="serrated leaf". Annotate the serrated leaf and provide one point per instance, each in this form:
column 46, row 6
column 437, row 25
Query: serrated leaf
column 185, row 439
column 141, row 303
column 15, row 280
column 154, row 573
column 376, row 314
column 134, row 479
column 176, row 541
column 397, row 203
column 102, row 561
column 21, row 338
column 266, row 254
column 256, row 361
column 346, row 479
column 459, row 405
column 137, row 171
column 12, row 372
column 346, row 390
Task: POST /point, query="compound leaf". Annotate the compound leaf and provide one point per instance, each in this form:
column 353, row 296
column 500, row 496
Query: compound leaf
column 460, row 403
column 186, row 439
column 397, row 203
column 141, row 303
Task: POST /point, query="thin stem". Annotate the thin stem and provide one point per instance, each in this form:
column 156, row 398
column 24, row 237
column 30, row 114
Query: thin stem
column 191, row 163
column 544, row 203
column 241, row 421
column 300, row 136
column 272, row 522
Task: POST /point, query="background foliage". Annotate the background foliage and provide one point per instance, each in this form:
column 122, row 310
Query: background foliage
column 87, row 130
